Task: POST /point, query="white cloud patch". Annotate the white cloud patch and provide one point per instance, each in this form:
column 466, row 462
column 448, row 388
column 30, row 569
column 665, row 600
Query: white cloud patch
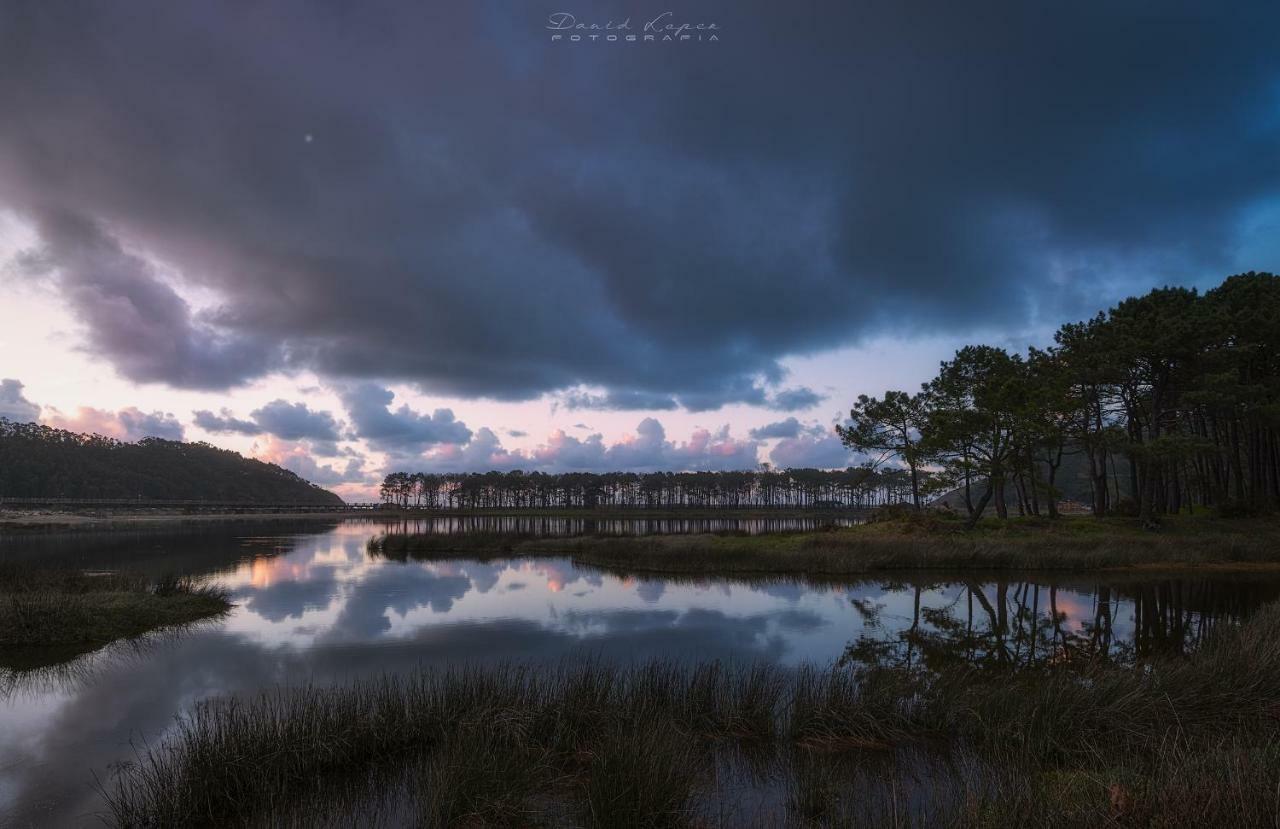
column 646, row 450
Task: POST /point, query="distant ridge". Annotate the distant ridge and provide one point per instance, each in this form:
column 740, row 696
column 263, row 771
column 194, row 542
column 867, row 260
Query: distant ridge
column 1075, row 492
column 38, row 461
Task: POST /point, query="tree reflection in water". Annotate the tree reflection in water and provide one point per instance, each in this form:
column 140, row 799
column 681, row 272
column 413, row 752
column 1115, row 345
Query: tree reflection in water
column 1014, row 625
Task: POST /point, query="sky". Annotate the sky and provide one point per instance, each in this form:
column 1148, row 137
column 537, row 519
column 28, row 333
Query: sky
column 448, row 237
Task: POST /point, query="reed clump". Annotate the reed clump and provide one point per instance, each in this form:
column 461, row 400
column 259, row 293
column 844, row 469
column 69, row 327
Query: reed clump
column 427, row 546
column 47, row 611
column 932, row 543
column 1185, row 741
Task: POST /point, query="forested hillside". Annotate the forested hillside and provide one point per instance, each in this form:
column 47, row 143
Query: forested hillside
column 40, row 462
column 1073, row 485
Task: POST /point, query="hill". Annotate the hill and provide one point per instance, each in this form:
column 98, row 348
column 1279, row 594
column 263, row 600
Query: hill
column 40, row 462
column 1075, row 491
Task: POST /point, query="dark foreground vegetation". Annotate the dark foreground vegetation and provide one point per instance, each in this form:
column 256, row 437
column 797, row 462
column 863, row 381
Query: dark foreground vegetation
column 49, row 616
column 40, row 462
column 906, row 540
column 1176, row 741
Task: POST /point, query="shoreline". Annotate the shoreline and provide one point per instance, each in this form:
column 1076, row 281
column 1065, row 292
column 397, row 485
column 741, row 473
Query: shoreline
column 51, row 616
column 926, row 542
column 34, row 522
column 54, row 520
column 1067, row 545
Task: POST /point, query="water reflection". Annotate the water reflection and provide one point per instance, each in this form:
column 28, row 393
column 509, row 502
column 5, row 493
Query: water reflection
column 165, row 549
column 1021, row 624
column 313, row 606
column 210, row 546
column 553, row 526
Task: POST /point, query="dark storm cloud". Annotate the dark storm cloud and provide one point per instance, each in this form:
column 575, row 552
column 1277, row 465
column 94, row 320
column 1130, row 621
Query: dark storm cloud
column 440, row 195
column 134, row 317
column 224, row 422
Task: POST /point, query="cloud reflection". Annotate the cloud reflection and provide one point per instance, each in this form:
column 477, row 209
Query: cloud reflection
column 315, row 608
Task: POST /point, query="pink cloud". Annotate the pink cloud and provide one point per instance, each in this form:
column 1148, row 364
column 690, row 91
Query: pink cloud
column 129, row 424
column 647, row 449
column 298, row 458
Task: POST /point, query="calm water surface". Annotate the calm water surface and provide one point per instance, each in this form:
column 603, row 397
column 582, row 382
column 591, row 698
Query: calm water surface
column 313, row 606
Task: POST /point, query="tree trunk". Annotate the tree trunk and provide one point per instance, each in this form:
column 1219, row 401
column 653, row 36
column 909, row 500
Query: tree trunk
column 982, row 505
column 1051, row 495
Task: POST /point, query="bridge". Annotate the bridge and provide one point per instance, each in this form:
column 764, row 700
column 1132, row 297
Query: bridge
column 74, row 504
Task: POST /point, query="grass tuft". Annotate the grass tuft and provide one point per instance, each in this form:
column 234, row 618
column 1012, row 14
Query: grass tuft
column 49, row 616
column 1176, row 741
column 927, row 542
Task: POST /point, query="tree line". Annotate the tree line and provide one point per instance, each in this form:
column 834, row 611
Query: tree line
column 1171, row 401
column 1167, row 402
column 764, row 488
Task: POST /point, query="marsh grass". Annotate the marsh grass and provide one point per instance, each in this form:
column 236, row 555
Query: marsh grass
column 927, row 543
column 1191, row 741
column 50, row 616
column 426, row 546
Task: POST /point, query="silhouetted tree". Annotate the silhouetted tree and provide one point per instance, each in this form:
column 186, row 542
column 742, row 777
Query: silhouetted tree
column 889, row 428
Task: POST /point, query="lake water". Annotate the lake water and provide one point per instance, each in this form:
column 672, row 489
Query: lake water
column 313, row 606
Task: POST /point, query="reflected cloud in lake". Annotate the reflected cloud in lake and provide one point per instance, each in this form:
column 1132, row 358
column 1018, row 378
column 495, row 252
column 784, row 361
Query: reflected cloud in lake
column 314, row 607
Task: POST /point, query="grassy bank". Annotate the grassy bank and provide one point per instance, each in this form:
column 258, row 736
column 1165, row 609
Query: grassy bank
column 1180, row 742
column 926, row 542
column 35, row 520
column 50, row 615
column 32, row 522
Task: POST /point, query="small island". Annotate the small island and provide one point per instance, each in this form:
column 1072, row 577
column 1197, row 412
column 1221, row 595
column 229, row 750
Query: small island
column 50, row 616
column 890, row 540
